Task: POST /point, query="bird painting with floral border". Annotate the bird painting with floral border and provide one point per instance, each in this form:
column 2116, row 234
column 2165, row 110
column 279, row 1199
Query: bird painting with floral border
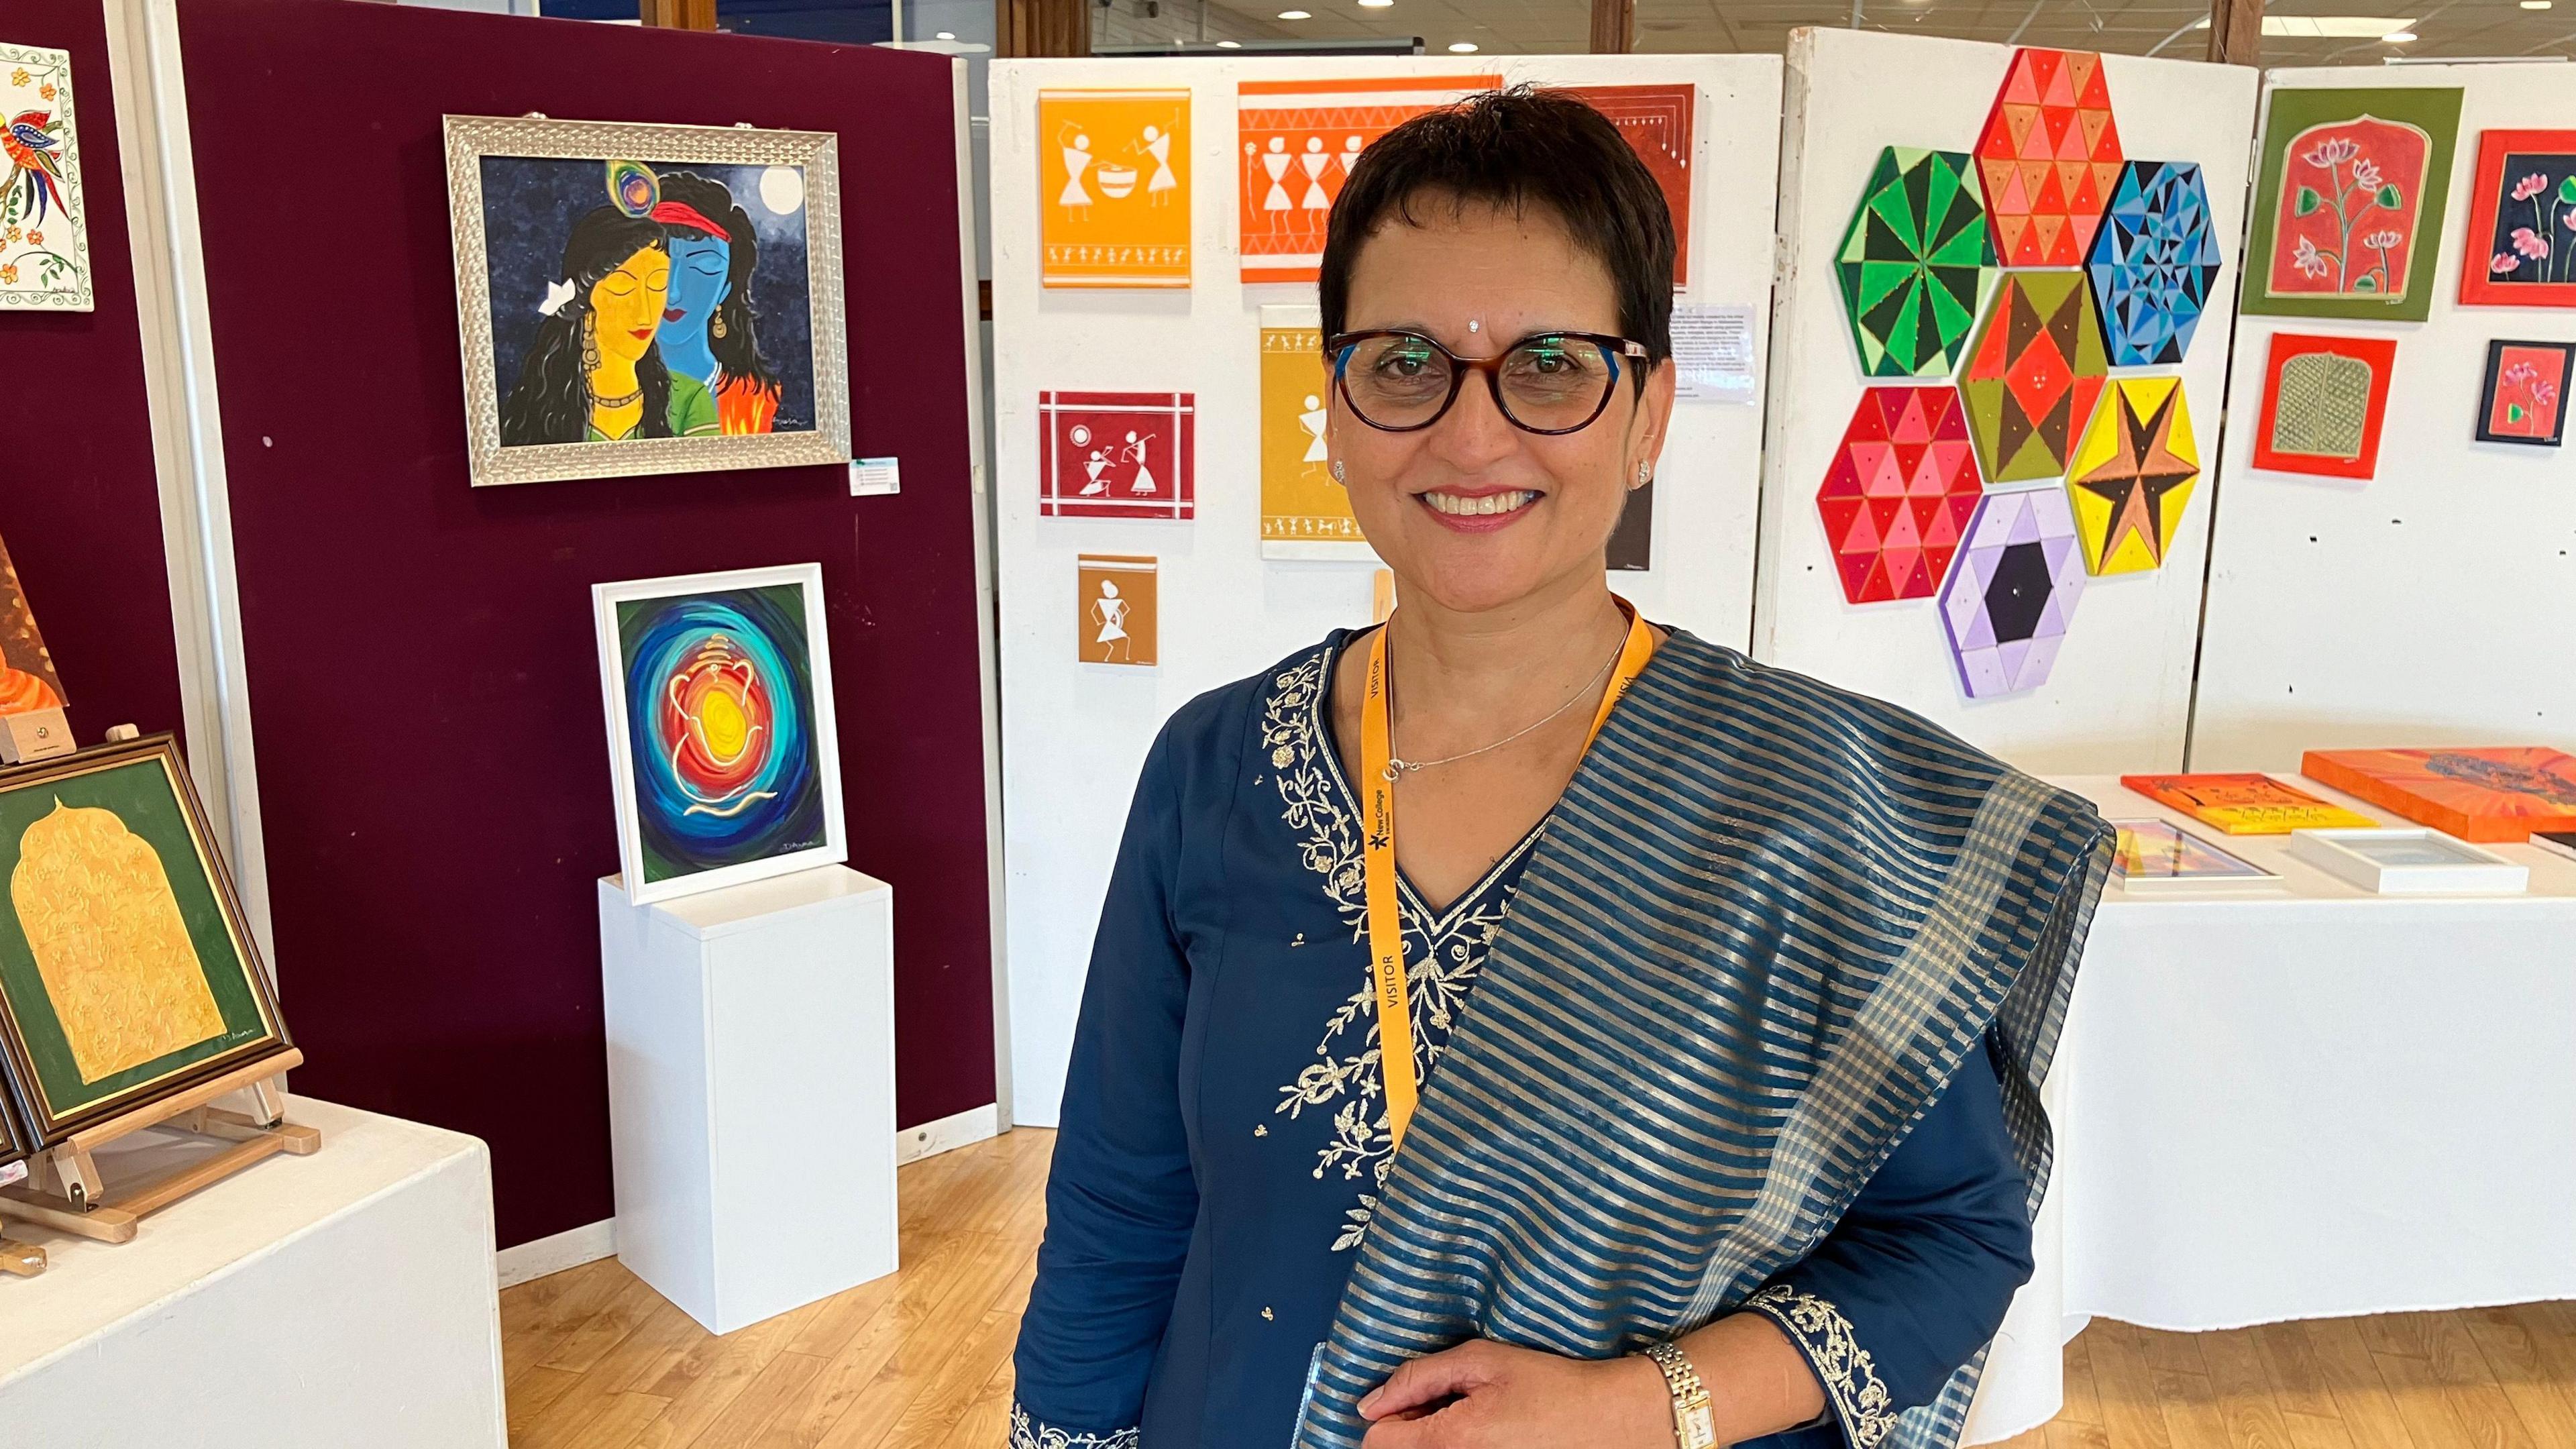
column 30, row 144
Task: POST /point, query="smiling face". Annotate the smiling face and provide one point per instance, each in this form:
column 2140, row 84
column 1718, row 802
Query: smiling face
column 1472, row 511
column 701, row 275
column 627, row 304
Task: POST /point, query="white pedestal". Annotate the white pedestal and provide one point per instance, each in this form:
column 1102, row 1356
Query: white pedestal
column 307, row 1303
column 751, row 1090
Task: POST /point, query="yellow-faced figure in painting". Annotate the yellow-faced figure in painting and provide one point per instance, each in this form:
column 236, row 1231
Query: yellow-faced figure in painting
column 593, row 373
column 109, row 942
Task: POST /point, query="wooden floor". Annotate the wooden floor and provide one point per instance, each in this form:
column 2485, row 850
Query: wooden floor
column 921, row 1360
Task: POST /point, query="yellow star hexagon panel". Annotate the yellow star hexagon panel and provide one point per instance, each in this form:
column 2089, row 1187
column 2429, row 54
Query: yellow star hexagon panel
column 2132, row 475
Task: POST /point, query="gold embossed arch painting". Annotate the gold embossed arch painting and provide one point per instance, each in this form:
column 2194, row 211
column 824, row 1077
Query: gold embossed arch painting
column 646, row 299
column 126, row 973
column 720, row 732
column 2348, row 210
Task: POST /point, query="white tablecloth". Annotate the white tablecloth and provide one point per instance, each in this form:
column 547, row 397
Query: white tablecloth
column 2304, row 1104
column 325, row 1302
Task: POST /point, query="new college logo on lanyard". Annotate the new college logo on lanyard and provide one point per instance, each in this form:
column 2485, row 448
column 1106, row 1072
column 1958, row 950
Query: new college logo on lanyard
column 1385, row 920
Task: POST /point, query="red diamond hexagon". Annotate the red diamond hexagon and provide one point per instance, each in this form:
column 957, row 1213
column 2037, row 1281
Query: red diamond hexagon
column 1902, row 486
column 2049, row 157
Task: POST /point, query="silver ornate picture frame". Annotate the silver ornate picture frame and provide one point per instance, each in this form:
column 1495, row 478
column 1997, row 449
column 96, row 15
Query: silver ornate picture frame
column 561, row 224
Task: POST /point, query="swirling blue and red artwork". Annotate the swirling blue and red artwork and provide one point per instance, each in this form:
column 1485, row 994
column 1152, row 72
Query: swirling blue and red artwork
column 720, row 715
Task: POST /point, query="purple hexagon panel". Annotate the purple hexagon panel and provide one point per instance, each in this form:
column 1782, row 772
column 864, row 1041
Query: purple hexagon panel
column 2012, row 591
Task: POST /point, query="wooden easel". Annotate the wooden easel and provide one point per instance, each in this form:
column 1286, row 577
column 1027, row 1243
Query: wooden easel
column 65, row 1192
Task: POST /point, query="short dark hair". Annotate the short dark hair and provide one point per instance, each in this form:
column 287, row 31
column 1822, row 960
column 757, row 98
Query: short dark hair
column 1510, row 149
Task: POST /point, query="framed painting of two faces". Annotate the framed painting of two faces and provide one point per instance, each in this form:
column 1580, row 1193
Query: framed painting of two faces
column 646, row 299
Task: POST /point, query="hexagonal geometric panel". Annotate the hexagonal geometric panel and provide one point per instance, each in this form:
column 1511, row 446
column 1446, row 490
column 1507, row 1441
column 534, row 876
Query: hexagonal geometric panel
column 1902, row 487
column 1916, row 264
column 2012, row 592
column 2133, row 475
column 2154, row 262
column 2033, row 375
column 2049, row 154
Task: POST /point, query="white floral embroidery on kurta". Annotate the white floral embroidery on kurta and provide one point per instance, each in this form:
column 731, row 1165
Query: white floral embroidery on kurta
column 1028, row 1433
column 1845, row 1368
column 1345, row 1076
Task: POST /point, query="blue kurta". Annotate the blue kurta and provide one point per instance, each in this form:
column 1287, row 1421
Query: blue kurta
column 1224, row 1135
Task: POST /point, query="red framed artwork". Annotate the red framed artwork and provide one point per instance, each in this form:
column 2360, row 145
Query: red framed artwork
column 2524, row 399
column 2324, row 399
column 2521, row 249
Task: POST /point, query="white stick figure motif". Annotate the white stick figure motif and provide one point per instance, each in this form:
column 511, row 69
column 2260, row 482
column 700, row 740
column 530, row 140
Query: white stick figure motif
column 1350, row 154
column 1315, row 161
column 1275, row 161
column 1312, row 420
column 1158, row 144
column 1077, row 159
column 1110, row 612
column 1134, row 452
column 1092, row 468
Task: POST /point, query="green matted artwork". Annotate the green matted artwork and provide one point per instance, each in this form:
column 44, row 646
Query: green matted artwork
column 2348, row 209
column 126, row 973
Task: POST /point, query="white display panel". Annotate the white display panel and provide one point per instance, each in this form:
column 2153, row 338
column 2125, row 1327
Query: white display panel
column 2427, row 606
column 1075, row 734
column 2119, row 695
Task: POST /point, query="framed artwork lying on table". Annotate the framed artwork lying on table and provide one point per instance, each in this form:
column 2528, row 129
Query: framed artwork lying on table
column 718, row 690
column 2409, row 862
column 127, row 972
column 646, row 299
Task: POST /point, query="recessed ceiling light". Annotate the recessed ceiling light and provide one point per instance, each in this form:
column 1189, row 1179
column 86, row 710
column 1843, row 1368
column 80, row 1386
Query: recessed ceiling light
column 2398, row 37
column 2535, row 4
column 1229, row 45
column 1296, row 15
column 2328, row 27
column 1375, row 4
column 946, row 35
column 1463, row 47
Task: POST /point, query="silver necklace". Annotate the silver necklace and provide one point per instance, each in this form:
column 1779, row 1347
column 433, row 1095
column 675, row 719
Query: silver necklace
column 1395, row 768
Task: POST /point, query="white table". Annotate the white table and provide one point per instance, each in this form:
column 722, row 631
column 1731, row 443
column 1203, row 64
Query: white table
column 318, row 1302
column 2308, row 1103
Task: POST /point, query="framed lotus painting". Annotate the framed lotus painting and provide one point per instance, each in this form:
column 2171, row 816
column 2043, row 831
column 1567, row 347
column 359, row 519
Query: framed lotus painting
column 126, row 972
column 2348, row 208
column 44, row 219
column 2524, row 398
column 646, row 299
column 2521, row 250
column 718, row 690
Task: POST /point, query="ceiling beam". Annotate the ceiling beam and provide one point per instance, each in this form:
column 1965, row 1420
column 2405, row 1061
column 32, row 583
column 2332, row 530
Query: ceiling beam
column 1030, row 29
column 1614, row 27
column 678, row 14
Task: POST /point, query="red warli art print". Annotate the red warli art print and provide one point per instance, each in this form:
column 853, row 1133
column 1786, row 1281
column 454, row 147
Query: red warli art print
column 1296, row 142
column 1116, row 455
column 1656, row 120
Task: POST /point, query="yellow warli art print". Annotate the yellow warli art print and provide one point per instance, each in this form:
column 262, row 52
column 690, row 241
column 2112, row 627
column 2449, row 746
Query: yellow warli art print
column 1304, row 513
column 110, row 942
column 1114, row 188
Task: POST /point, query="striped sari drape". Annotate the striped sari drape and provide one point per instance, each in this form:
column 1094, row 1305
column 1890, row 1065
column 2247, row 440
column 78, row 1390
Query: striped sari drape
column 1766, row 924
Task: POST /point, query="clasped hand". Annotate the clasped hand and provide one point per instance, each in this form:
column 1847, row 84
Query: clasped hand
column 1488, row 1395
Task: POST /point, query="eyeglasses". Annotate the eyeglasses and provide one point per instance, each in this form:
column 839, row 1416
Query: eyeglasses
column 1550, row 382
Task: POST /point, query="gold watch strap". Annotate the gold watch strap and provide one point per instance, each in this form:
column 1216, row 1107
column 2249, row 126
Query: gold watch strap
column 1694, row 1423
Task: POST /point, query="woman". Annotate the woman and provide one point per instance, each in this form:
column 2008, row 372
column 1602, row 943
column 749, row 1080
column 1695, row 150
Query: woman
column 709, row 326
column 1711, row 1115
column 593, row 373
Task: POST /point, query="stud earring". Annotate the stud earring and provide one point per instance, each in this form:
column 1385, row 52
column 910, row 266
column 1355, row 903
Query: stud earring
column 1340, row 474
column 1645, row 474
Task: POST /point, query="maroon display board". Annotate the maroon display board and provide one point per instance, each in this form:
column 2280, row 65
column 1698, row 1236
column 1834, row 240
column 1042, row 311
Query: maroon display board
column 80, row 504
column 433, row 774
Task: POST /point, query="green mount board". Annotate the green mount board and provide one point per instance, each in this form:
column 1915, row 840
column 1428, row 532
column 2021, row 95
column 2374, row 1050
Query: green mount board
column 1917, row 264
column 2348, row 209
column 2034, row 375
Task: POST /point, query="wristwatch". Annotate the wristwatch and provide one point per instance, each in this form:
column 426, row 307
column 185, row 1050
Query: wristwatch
column 1694, row 1424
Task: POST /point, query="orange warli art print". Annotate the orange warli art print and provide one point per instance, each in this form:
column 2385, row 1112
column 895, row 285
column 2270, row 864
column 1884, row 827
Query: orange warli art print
column 1114, row 188
column 1296, row 142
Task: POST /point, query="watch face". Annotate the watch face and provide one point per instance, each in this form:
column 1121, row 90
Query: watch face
column 1699, row 1428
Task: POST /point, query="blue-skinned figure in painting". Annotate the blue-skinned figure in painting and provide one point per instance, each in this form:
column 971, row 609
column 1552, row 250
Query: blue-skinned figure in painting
column 709, row 324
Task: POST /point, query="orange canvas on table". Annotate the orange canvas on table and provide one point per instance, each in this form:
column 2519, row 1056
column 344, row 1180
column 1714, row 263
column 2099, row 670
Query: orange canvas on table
column 27, row 679
column 2246, row 804
column 2484, row 795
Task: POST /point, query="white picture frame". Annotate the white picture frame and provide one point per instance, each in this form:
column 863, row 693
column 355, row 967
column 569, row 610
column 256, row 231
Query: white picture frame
column 44, row 217
column 2401, row 862
column 664, row 630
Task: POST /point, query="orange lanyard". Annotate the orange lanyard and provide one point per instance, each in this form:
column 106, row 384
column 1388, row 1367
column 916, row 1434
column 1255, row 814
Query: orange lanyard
column 1385, row 919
